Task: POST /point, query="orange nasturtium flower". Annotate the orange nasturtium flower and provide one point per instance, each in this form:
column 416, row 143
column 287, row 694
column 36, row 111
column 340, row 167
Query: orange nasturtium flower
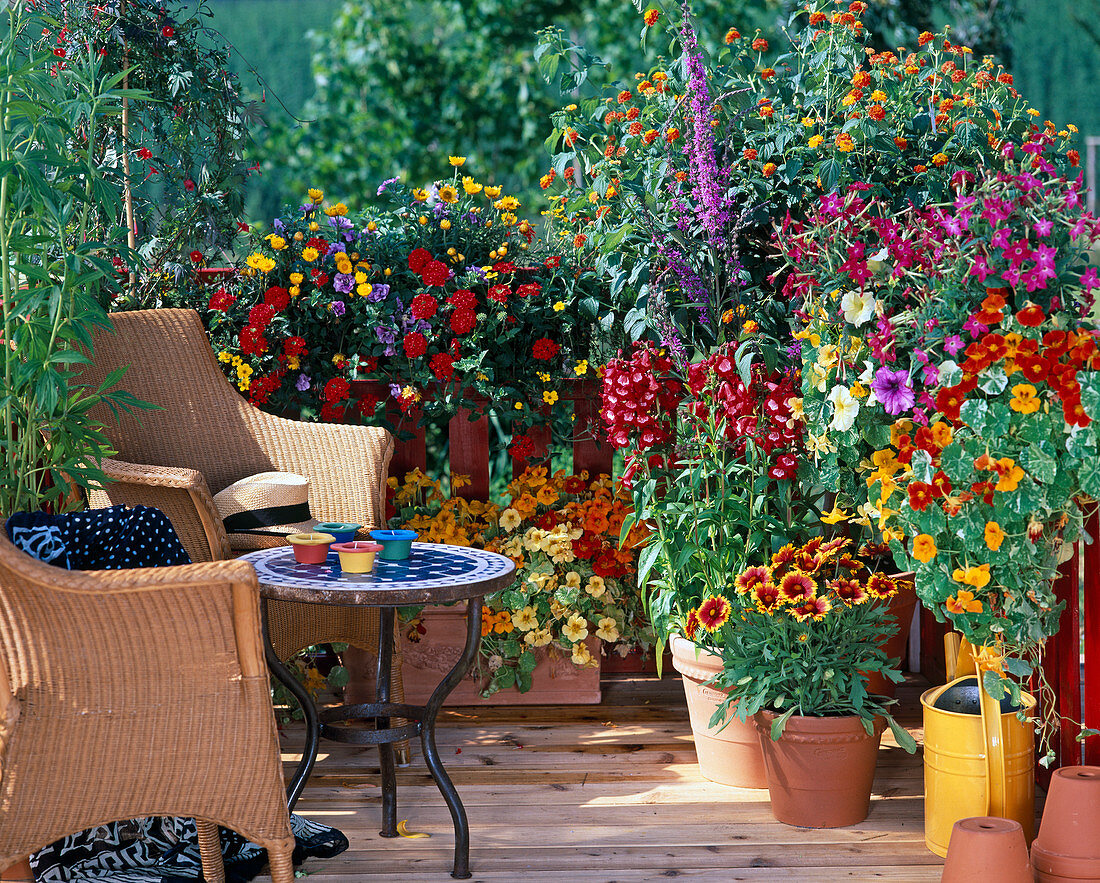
column 1010, row 474
column 1025, row 399
column 994, row 536
column 924, row 548
column 963, row 602
column 978, row 576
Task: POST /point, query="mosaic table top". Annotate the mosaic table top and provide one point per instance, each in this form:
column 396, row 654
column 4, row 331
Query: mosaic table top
column 433, row 573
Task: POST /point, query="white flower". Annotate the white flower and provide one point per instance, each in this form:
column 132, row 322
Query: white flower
column 608, row 630
column 845, row 408
column 858, row 307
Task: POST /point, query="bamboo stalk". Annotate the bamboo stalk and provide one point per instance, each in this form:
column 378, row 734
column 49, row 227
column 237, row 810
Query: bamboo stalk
column 127, row 187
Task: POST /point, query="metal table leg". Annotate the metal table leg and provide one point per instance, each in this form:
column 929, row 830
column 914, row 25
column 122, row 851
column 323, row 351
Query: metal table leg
column 446, row 787
column 309, row 710
column 385, row 749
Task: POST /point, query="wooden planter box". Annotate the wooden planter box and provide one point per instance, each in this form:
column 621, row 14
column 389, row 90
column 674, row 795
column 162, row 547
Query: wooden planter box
column 555, row 680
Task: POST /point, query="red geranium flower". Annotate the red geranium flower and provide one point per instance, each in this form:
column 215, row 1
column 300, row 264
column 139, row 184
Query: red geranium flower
column 463, row 321
column 545, row 349
column 295, row 346
column 416, row 344
column 221, row 300
column 336, row 390
column 714, row 612
column 277, row 298
column 499, row 294
column 424, row 306
column 196, row 257
column 463, row 299
column 529, row 289
column 435, row 273
column 261, row 315
column 252, row 341
column 442, row 366
column 419, row 258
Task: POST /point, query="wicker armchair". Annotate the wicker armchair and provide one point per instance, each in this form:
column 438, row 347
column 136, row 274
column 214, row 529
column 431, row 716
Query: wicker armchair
column 206, row 436
column 134, row 693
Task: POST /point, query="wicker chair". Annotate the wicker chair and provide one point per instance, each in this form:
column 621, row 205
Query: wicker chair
column 205, row 437
column 134, row 693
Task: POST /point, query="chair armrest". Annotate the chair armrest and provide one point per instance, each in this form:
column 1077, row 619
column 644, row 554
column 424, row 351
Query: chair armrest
column 182, row 494
column 347, row 465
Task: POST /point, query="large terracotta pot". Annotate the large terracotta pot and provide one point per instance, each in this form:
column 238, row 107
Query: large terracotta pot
column 987, row 848
column 729, row 755
column 902, row 606
column 1068, row 845
column 821, row 769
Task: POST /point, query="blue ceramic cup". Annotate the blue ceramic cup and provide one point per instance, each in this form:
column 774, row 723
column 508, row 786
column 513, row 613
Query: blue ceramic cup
column 396, row 544
column 344, row 532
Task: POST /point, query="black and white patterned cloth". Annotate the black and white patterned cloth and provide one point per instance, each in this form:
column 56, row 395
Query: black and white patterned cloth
column 155, row 850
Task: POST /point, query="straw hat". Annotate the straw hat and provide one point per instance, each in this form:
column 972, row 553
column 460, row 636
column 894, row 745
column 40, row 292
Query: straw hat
column 267, row 503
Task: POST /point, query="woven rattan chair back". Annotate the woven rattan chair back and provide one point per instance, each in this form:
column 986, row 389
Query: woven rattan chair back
column 134, row 693
column 205, row 425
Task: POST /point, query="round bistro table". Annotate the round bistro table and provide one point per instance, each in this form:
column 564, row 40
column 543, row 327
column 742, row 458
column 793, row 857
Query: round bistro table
column 433, row 574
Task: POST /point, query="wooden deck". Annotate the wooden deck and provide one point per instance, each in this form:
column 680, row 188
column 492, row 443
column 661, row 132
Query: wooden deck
column 603, row 793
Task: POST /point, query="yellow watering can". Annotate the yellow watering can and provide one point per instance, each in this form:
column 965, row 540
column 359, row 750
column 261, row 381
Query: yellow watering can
column 974, row 765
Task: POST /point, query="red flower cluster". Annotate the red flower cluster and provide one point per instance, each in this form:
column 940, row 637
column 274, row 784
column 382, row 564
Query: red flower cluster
column 295, row 347
column 277, row 298
column 545, row 349
column 442, row 366
column 639, row 399
column 415, row 344
column 221, row 300
column 424, row 306
column 260, row 388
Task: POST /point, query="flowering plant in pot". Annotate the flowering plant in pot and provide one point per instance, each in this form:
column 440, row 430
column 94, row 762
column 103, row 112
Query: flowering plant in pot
column 796, row 644
column 574, row 582
column 443, row 294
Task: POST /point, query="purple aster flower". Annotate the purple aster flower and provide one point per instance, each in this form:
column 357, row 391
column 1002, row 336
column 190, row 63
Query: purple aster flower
column 338, row 308
column 343, row 283
column 952, row 344
column 278, row 226
column 303, row 383
column 893, row 390
column 378, row 292
column 382, row 187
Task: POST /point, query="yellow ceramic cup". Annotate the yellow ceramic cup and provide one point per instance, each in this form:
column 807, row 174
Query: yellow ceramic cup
column 357, row 556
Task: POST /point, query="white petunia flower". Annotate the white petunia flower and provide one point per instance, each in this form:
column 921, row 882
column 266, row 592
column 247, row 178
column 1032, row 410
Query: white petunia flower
column 845, row 409
column 858, row 307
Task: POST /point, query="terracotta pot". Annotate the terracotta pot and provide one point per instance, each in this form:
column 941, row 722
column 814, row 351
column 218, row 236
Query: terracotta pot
column 729, row 755
column 987, row 848
column 1068, row 845
column 902, row 606
column 425, row 662
column 821, row 769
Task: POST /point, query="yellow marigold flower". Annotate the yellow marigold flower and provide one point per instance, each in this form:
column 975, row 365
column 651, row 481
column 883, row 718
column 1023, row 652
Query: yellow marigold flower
column 313, row 227
column 456, row 161
column 296, row 278
column 422, row 220
column 315, row 194
column 507, row 204
column 363, row 289
column 492, row 192
column 924, row 548
column 336, row 211
column 420, row 194
column 309, row 253
column 448, row 194
column 294, row 291
column 276, row 242
column 471, row 186
column 815, row 141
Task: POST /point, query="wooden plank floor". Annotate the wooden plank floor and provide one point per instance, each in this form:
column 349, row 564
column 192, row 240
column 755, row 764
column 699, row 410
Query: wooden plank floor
column 602, row 793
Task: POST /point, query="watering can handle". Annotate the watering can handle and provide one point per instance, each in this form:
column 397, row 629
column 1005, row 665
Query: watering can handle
column 996, row 772
column 951, row 642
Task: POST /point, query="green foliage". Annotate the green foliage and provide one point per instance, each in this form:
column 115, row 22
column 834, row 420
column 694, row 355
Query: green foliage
column 58, row 183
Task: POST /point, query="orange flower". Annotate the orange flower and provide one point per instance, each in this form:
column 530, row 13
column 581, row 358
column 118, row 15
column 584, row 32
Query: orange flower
column 1025, row 399
column 976, row 576
column 731, row 35
column 769, row 169
column 941, row 434
column 994, row 536
column 844, row 143
column 1010, row 474
column 963, row 602
column 924, row 548
column 651, row 16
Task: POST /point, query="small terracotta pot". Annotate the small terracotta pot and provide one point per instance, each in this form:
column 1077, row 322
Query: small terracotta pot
column 902, row 606
column 729, row 755
column 357, row 557
column 1068, row 845
column 987, row 848
column 310, row 548
column 820, row 771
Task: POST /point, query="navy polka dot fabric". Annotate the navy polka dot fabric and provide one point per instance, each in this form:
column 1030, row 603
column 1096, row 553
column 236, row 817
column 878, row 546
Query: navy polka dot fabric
column 115, row 538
